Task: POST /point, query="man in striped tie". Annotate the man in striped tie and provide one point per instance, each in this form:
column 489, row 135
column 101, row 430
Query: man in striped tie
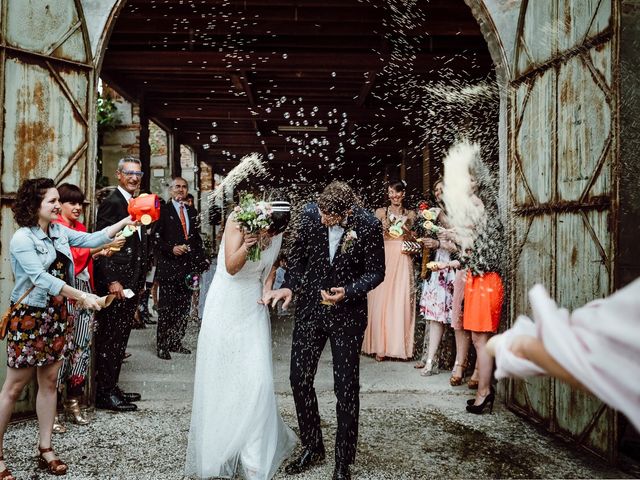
column 180, row 260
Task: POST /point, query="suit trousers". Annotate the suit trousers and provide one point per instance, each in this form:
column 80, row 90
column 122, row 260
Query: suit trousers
column 308, row 342
column 112, row 335
column 173, row 314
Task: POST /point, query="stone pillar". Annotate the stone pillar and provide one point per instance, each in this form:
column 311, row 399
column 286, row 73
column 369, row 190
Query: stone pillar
column 145, row 148
column 174, row 145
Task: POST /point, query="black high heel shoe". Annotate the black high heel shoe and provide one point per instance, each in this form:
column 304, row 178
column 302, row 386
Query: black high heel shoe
column 479, row 409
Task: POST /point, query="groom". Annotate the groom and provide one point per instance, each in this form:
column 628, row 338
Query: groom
column 337, row 257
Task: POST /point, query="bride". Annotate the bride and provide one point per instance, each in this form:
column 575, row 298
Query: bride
column 235, row 423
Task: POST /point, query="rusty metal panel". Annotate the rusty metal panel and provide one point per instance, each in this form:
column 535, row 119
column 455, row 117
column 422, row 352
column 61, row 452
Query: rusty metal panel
column 584, row 133
column 47, row 93
column 533, row 263
column 563, row 157
column 43, row 130
column 576, row 21
column 538, row 34
column 585, row 238
column 582, row 258
column 47, row 27
column 535, row 137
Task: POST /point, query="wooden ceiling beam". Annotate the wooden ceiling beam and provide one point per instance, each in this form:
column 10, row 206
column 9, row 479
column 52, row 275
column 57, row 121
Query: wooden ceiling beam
column 213, row 111
column 166, row 62
column 339, row 27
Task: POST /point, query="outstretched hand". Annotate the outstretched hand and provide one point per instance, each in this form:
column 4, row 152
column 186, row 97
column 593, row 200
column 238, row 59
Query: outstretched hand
column 272, row 297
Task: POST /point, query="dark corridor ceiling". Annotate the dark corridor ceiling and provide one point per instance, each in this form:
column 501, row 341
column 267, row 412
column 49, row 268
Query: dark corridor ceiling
column 299, row 81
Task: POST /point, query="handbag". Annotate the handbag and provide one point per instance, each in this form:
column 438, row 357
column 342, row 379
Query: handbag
column 4, row 323
column 411, row 248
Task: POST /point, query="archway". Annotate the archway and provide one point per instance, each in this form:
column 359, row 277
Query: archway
column 60, row 67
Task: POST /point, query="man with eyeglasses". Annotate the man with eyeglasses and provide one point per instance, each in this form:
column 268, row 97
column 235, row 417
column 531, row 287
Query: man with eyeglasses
column 125, row 269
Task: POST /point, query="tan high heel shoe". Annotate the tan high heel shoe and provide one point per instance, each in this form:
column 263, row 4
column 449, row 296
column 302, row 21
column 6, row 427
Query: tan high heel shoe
column 54, row 467
column 430, row 368
column 456, row 380
column 58, row 426
column 74, row 413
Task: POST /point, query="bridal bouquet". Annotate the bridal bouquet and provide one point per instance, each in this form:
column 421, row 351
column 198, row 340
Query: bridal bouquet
column 254, row 217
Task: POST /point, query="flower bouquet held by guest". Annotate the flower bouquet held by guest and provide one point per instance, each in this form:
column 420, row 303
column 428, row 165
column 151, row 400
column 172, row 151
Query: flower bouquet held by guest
column 390, row 305
column 39, row 334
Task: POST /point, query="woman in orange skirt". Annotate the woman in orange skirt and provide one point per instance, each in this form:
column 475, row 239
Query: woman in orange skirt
column 483, row 295
column 391, row 307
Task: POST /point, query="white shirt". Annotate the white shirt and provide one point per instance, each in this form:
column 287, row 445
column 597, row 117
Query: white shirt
column 127, row 196
column 335, row 234
column 177, row 206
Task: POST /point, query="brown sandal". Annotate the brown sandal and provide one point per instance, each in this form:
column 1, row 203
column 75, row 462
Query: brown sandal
column 455, row 380
column 6, row 474
column 52, row 466
column 473, row 384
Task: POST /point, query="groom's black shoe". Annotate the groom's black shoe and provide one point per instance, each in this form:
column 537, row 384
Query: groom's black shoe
column 180, row 349
column 341, row 472
column 164, row 355
column 128, row 396
column 307, row 459
column 113, row 401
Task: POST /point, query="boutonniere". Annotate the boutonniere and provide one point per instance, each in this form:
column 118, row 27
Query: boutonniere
column 349, row 238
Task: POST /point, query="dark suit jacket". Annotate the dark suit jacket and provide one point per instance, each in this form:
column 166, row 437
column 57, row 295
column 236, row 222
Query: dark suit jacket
column 359, row 268
column 167, row 234
column 128, row 266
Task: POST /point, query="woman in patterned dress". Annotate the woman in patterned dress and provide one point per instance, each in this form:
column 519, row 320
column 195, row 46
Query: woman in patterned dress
column 38, row 332
column 437, row 291
column 73, row 373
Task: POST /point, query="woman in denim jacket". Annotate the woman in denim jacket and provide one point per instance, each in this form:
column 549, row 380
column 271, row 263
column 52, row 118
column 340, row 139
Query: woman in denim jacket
column 38, row 334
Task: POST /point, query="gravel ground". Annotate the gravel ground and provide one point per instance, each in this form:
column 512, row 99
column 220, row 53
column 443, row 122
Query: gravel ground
column 411, row 427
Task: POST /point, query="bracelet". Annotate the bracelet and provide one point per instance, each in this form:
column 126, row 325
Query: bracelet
column 438, row 243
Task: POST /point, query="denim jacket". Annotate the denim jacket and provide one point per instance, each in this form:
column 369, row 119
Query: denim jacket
column 33, row 251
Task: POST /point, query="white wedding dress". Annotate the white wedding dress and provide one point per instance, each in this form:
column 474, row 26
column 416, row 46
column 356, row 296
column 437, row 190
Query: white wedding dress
column 235, row 423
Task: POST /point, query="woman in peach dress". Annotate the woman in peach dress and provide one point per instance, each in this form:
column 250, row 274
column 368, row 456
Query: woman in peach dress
column 391, row 305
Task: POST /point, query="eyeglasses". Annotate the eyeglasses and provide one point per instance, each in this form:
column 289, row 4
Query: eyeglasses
column 131, row 173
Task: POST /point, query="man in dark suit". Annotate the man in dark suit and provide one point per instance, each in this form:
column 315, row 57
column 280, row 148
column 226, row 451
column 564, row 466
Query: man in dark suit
column 124, row 269
column 180, row 257
column 336, row 258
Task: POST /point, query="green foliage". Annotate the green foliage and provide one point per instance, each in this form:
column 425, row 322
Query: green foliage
column 107, row 113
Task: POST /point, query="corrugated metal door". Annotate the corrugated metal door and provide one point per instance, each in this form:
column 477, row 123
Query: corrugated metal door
column 47, row 83
column 563, row 150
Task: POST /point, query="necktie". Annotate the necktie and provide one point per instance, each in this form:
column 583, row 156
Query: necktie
column 183, row 221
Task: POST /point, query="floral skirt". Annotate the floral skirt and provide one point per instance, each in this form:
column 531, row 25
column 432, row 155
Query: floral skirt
column 38, row 336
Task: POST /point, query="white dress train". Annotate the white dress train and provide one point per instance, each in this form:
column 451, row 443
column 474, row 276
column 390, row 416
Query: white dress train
column 235, row 423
